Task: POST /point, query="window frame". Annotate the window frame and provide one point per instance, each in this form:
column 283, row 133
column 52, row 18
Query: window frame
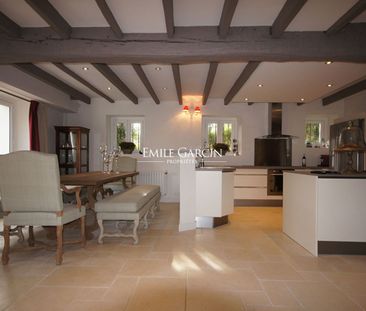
column 324, row 135
column 220, row 129
column 10, row 124
column 127, row 120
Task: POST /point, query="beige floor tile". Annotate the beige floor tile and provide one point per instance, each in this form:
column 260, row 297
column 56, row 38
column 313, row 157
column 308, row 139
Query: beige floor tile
column 275, row 271
column 81, row 276
column 350, row 283
column 255, row 298
column 228, row 279
column 46, row 298
column 321, row 296
column 242, row 254
column 279, row 294
column 160, row 294
column 153, row 267
column 135, row 252
column 204, row 299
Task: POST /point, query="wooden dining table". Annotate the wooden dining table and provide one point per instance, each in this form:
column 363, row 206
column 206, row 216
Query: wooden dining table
column 93, row 182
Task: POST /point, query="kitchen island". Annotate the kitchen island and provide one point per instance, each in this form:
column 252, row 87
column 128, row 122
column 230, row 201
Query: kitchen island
column 325, row 213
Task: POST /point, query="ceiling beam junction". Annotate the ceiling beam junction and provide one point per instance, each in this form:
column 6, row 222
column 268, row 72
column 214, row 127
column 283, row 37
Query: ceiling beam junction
column 285, row 17
column 169, row 17
column 51, row 16
column 349, row 16
column 227, row 14
column 108, row 15
column 9, row 26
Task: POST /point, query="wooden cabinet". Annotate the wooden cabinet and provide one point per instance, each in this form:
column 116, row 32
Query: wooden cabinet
column 72, row 149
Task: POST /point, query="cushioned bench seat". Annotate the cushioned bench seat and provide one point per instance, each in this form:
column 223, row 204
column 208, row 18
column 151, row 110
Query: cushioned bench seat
column 133, row 204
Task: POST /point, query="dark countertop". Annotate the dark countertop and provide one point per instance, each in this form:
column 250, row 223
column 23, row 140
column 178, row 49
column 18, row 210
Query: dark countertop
column 332, row 175
column 223, row 169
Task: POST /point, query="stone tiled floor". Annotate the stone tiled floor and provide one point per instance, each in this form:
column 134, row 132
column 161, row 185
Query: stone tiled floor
column 246, row 265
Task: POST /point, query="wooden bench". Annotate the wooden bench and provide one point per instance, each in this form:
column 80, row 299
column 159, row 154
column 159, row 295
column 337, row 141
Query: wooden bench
column 131, row 205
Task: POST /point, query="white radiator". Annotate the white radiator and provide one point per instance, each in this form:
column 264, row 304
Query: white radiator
column 159, row 178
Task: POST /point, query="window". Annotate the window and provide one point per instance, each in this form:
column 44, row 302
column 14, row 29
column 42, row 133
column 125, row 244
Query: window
column 315, row 135
column 127, row 129
column 4, row 129
column 218, row 130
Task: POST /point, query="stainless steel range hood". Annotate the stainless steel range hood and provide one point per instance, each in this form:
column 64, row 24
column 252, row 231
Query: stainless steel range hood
column 274, row 149
column 275, row 122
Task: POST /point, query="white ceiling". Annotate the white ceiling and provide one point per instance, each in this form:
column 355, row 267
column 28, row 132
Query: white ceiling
column 285, row 82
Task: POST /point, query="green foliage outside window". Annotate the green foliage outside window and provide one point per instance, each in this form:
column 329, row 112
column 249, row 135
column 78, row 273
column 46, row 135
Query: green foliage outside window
column 227, row 134
column 136, row 134
column 212, row 134
column 312, row 133
column 121, row 133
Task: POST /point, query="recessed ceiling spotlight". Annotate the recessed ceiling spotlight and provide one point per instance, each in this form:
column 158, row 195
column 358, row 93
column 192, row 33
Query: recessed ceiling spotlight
column 328, row 62
column 246, row 99
column 85, row 68
column 302, row 99
column 157, row 68
column 165, row 88
column 329, row 85
column 260, row 85
column 109, row 88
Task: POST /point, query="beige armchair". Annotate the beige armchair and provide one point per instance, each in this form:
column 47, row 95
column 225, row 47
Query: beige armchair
column 123, row 164
column 31, row 195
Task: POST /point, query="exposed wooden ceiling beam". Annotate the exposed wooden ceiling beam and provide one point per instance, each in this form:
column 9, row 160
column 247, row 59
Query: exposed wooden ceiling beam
column 49, row 79
column 82, row 81
column 346, row 92
column 8, row 26
column 227, row 16
column 250, row 103
column 109, row 74
column 51, row 16
column 300, row 104
column 108, row 15
column 286, row 15
column 169, row 16
column 350, row 15
column 244, row 76
column 178, row 84
column 140, row 72
column 189, row 45
column 209, row 81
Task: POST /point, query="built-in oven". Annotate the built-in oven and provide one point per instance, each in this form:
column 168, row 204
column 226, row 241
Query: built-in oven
column 275, row 181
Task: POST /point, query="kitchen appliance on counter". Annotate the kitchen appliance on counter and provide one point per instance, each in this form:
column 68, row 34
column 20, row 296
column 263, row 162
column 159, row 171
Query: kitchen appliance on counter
column 339, row 160
column 275, row 181
column 274, row 149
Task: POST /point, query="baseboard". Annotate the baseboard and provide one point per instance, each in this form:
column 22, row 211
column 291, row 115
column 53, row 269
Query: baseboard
column 264, row 203
column 344, row 248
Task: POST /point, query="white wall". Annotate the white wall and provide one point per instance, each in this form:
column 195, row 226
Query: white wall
column 166, row 126
column 293, row 123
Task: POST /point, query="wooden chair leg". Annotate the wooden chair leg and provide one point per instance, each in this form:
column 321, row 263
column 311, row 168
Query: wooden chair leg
column 82, row 228
column 31, row 237
column 59, row 249
column 20, row 233
column 146, row 223
column 5, row 255
column 101, row 232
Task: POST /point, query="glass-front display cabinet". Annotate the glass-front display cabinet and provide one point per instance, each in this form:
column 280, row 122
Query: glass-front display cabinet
column 72, row 149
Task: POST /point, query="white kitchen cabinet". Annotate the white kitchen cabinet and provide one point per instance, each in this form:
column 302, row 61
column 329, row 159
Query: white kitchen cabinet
column 251, row 184
column 214, row 193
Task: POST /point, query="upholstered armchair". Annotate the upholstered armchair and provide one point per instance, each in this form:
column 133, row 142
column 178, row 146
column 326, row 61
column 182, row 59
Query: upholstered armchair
column 31, row 195
column 123, row 164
